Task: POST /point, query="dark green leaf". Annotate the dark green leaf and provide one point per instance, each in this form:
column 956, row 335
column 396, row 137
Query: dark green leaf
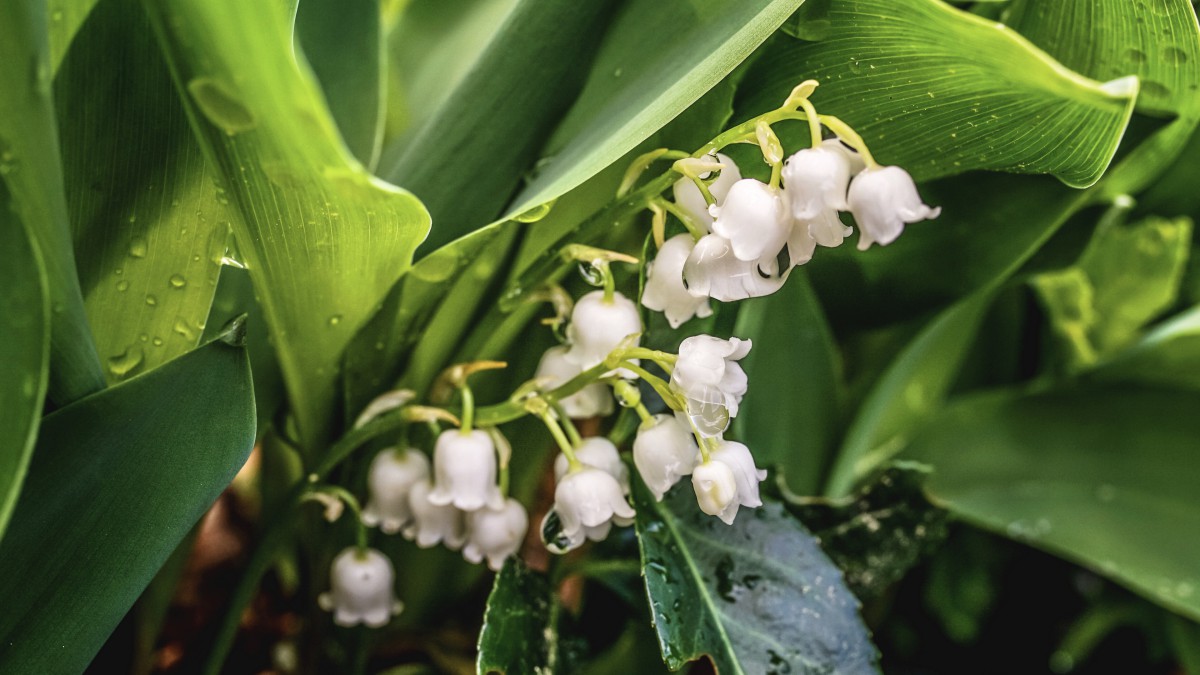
column 1096, row 476
column 29, row 166
column 520, row 626
column 940, row 91
column 322, row 238
column 757, row 596
column 880, row 533
column 118, row 478
column 1168, row 355
column 793, row 353
column 24, row 354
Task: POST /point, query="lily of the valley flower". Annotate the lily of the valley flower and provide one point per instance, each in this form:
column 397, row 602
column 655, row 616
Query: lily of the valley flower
column 433, row 523
column 713, row 271
column 392, row 474
column 589, row 498
column 361, row 589
column 495, row 534
column 883, row 199
column 688, row 196
column 664, row 451
column 597, row 327
column 665, row 291
column 753, row 219
column 728, row 480
column 554, row 369
column 707, row 375
column 598, row 452
column 464, row 467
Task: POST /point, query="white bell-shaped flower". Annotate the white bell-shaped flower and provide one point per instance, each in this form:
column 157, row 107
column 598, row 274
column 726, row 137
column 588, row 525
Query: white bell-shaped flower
column 360, row 583
column 588, row 497
column 883, row 199
column 713, row 271
column 716, row 490
column 665, row 291
column 688, row 196
column 753, row 219
column 816, row 180
column 392, row 474
column 495, row 534
column 433, row 523
column 598, row 452
column 711, row 381
column 597, row 327
column 554, row 370
column 464, row 469
column 801, row 244
column 663, row 452
column 738, row 458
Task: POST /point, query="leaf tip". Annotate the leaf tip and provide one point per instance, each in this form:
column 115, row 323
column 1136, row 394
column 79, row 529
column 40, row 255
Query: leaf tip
column 234, row 332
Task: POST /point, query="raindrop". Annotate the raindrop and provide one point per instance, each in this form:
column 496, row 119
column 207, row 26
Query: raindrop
column 335, row 320
column 126, row 362
column 138, row 247
column 151, row 300
column 1155, row 89
column 591, row 273
column 856, row 66
column 1175, row 56
column 123, row 285
column 181, row 327
column 157, row 342
column 1135, row 55
column 220, row 105
column 535, row 214
column 178, row 281
column 8, row 163
column 56, row 16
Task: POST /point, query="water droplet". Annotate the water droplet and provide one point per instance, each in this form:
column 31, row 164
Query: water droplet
column 151, row 300
column 232, row 262
column 779, row 665
column 182, row 328
column 221, row 105
column 126, row 362
column 157, row 342
column 856, row 66
column 123, row 285
column 1175, row 56
column 335, row 320
column 8, row 163
column 138, row 247
column 535, row 214
column 1155, row 89
column 725, row 579
column 1135, row 55
column 56, row 16
column 178, row 281
column 591, row 273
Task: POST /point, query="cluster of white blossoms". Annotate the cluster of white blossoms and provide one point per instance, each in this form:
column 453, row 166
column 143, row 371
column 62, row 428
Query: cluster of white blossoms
column 750, row 224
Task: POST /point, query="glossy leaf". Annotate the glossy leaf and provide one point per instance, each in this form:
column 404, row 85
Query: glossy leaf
column 793, row 352
column 24, row 355
column 118, row 478
column 322, row 238
column 29, row 166
column 148, row 229
column 757, row 596
column 520, row 626
column 1094, row 475
column 912, row 388
column 940, row 91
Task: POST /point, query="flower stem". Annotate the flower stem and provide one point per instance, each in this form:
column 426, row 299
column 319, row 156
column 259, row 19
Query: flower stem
column 694, row 228
column 814, row 123
column 561, row 438
column 468, row 409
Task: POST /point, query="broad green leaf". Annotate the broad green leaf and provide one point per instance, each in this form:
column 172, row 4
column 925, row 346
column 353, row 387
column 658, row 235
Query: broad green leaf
column 118, row 478
column 1168, row 355
column 912, row 388
column 1098, row 476
column 1157, row 40
column 345, row 45
column 66, row 18
column 149, row 232
column 24, row 354
column 878, row 534
column 520, row 626
column 29, row 166
column 658, row 57
column 757, row 596
column 322, row 238
column 468, row 158
column 940, row 91
column 792, row 414
column 1185, row 639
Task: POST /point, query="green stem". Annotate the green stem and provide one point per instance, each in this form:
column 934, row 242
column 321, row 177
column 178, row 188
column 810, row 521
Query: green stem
column 694, row 228
column 814, row 123
column 568, row 425
column 468, row 408
column 642, row 413
column 664, row 359
column 662, row 388
column 355, row 507
column 561, row 438
column 500, row 413
column 610, row 283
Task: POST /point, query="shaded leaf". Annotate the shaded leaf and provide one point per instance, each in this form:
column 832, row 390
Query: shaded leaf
column 24, row 355
column 1096, row 476
column 119, row 478
column 520, row 626
column 322, row 238
column 1167, row 355
column 940, row 91
column 757, row 596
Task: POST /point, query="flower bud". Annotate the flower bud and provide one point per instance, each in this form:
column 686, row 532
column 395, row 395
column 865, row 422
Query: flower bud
column 555, row 370
column 392, row 474
column 752, row 218
column 464, row 465
column 598, row 327
column 663, row 452
column 432, row 523
column 665, row 290
column 361, row 589
column 716, row 490
column 688, row 196
column 883, row 199
column 495, row 534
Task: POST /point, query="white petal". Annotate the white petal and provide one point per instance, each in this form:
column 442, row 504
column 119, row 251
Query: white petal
column 816, row 180
column 883, row 200
column 716, row 489
column 753, row 220
column 361, row 588
column 688, row 196
column 597, row 327
column 663, row 452
column 713, row 271
column 738, row 458
column 665, row 290
column 554, row 370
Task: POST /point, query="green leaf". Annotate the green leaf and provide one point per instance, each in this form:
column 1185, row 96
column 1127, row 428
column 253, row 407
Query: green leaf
column 322, row 238
column 345, row 46
column 24, row 355
column 757, row 596
column 912, row 388
column 118, row 478
column 878, row 534
column 520, row 626
column 148, row 229
column 1185, row 639
column 66, row 18
column 1097, row 476
column 658, row 57
column 29, row 166
column 793, row 352
column 940, row 91
column 1159, row 41
column 1168, row 355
